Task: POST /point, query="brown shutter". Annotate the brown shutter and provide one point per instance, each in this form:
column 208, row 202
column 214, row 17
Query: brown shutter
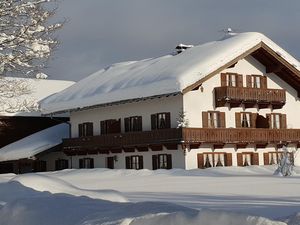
column 102, row 127
column 169, row 161
column 263, row 81
column 154, row 121
column 255, row 159
column 200, row 161
column 228, row 159
column 204, row 119
column 253, row 117
column 140, row 123
column 268, row 116
column 89, row 129
column 127, row 124
column 168, row 120
column 141, row 162
column 223, row 79
column 239, row 78
column 248, row 81
column 80, row 163
column 266, row 158
column 92, row 162
column 222, row 119
column 283, row 121
column 238, row 123
column 128, row 162
column 80, row 127
column 154, row 162
column 239, row 157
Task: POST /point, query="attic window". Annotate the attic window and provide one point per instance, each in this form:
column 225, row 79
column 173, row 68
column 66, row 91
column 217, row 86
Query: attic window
column 182, row 47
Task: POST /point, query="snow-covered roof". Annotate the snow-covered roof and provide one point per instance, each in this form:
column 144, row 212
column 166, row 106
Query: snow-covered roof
column 35, row 143
column 157, row 76
column 23, row 101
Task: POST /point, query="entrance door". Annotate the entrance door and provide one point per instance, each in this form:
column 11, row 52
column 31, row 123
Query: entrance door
column 110, row 162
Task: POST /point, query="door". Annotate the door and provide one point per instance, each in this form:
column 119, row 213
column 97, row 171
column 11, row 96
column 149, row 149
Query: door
column 110, row 162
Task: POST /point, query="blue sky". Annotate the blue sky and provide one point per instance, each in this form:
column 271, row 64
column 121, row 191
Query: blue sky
column 101, row 32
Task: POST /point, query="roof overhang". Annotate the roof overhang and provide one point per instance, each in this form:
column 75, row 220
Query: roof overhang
column 273, row 62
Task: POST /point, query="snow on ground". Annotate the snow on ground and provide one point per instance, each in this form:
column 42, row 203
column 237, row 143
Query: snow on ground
column 211, row 196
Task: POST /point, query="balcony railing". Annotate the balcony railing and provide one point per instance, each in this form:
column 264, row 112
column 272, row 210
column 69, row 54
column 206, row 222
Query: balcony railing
column 239, row 95
column 240, row 135
column 172, row 135
column 182, row 135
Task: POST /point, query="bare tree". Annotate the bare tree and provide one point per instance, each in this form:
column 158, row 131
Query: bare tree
column 26, row 42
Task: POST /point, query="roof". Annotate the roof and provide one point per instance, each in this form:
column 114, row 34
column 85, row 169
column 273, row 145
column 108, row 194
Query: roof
column 36, row 143
column 158, row 76
column 33, row 90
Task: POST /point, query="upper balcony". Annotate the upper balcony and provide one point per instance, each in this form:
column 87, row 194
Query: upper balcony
column 249, row 97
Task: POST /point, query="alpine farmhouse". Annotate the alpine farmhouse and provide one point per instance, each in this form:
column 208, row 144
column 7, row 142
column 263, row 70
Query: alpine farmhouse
column 232, row 102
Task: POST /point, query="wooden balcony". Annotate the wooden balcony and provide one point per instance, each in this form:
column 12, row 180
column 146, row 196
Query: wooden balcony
column 240, row 135
column 128, row 142
column 236, row 96
column 108, row 142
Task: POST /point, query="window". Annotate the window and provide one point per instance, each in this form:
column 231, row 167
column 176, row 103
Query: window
column 162, row 161
column 110, row 126
column 231, row 80
column 86, row 163
column 133, row 124
column 160, row 121
column 213, row 119
column 245, row 119
column 134, row 162
column 256, row 81
column 85, row 129
column 61, row 164
column 247, row 158
column 273, row 158
column 215, row 159
column 277, row 120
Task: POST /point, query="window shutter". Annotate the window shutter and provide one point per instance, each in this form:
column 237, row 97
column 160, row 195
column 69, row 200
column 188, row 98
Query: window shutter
column 127, row 124
column 89, row 129
column 154, row 121
column 154, row 162
column 223, row 79
column 239, row 157
column 204, row 119
column 169, row 161
column 141, row 163
column 92, row 162
column 118, row 126
column 268, row 116
column 128, row 162
column 263, row 81
column 168, row 120
column 253, row 117
column 248, row 81
column 254, row 159
column 222, row 119
column 228, row 159
column 266, row 158
column 238, row 123
column 57, row 167
column 80, row 127
column 102, row 127
column 239, row 78
column 200, row 160
column 140, row 123
column 283, row 121
column 81, row 163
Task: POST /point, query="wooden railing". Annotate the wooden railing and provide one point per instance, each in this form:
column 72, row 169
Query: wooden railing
column 240, row 135
column 244, row 94
column 125, row 139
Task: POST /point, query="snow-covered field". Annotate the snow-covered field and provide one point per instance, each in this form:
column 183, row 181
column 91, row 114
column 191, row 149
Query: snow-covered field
column 250, row 195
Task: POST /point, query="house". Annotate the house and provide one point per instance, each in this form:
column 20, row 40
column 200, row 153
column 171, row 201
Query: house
column 24, row 132
column 232, row 102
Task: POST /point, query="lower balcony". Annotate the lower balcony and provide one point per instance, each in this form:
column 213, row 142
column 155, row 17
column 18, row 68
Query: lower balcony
column 170, row 138
column 249, row 97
